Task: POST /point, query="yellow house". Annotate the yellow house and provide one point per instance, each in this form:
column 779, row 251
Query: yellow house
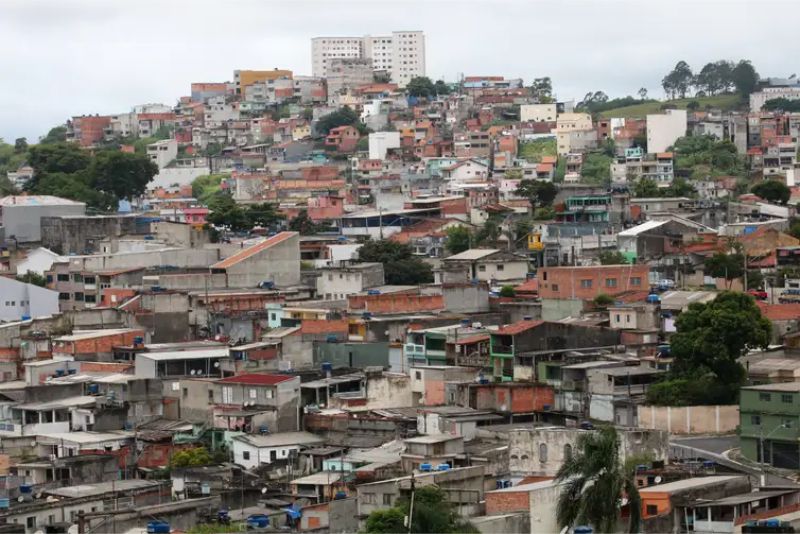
column 301, row 131
column 246, row 78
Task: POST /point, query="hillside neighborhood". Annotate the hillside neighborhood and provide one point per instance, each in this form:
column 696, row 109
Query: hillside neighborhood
column 359, row 299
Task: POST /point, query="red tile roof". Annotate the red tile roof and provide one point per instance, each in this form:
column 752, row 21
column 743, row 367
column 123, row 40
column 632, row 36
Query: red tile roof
column 779, row 312
column 253, row 250
column 472, row 339
column 528, row 286
column 518, row 328
column 256, row 379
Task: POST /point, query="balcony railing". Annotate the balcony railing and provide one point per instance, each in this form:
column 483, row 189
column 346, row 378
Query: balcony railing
column 502, row 349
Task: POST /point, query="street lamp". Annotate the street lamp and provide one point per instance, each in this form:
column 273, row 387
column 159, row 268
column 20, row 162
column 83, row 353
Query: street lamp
column 762, row 437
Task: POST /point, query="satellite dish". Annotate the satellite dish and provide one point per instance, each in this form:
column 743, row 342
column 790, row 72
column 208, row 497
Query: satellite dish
column 216, row 364
column 657, row 480
column 33, row 443
column 191, row 372
column 20, row 499
column 263, row 491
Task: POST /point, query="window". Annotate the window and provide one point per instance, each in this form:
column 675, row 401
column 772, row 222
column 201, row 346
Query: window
column 369, row 498
column 786, row 423
column 611, row 282
column 270, row 393
column 651, row 509
column 89, row 280
column 210, row 395
column 636, row 281
column 586, row 284
column 765, row 397
column 176, row 386
column 567, row 452
column 90, row 298
column 253, row 393
column 245, row 455
column 185, row 393
column 387, row 499
column 418, row 375
column 481, row 268
column 617, row 318
column 63, row 278
column 79, row 297
column 63, row 296
column 31, row 522
column 787, row 398
column 77, row 277
column 755, row 420
column 500, row 267
column 555, row 287
column 543, row 452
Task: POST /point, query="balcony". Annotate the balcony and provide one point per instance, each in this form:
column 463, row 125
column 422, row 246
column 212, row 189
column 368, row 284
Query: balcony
column 502, row 349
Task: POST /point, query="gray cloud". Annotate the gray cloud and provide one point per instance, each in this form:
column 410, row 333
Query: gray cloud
column 99, row 56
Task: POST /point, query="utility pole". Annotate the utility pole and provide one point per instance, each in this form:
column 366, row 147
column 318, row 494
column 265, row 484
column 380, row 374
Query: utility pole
column 411, row 508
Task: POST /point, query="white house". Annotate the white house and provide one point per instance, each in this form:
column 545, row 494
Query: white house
column 664, row 129
column 163, row 152
column 39, row 260
column 18, row 300
column 251, row 450
column 381, row 142
column 470, row 170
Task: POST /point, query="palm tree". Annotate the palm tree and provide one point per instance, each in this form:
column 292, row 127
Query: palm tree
column 594, row 482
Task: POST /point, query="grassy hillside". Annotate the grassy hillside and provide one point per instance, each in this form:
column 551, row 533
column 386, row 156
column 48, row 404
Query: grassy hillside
column 725, row 102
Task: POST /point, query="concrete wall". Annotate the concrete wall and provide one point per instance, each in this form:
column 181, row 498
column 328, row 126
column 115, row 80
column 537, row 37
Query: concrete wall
column 174, row 257
column 80, row 235
column 279, row 263
column 518, row 523
column 690, row 419
column 24, row 221
column 556, row 309
column 465, row 298
column 177, row 175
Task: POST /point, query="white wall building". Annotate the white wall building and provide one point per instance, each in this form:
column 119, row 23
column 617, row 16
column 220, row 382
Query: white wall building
column 381, row 142
column 401, row 54
column 21, row 215
column 38, row 261
column 18, row 300
column 218, row 112
column 250, row 451
column 538, row 112
column 664, row 129
column 162, row 153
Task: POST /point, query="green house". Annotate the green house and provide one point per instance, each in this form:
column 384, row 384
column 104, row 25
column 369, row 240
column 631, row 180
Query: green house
column 770, row 424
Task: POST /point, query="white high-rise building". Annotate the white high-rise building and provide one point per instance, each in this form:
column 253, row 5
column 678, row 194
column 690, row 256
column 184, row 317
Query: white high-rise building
column 401, row 54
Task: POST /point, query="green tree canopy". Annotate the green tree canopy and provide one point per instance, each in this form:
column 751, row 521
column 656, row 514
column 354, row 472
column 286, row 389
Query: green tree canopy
column 612, row 257
column 537, row 192
column 711, row 337
column 302, row 223
column 782, row 104
column 594, row 483
column 772, row 191
column 341, row 117
column 542, row 90
column 400, row 266
column 421, row 86
column 458, row 239
column 57, row 134
column 646, row 188
column 441, row 88
column 121, row 174
column 678, row 81
column 705, row 157
column 744, row 77
column 729, row 266
column 432, row 513
column 191, row 457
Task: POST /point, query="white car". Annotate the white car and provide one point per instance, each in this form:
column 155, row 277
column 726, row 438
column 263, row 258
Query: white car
column 666, row 283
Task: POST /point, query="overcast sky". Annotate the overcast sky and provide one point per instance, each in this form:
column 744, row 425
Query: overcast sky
column 69, row 57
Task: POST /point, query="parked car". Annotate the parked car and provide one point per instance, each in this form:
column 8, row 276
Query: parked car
column 758, row 294
column 666, row 283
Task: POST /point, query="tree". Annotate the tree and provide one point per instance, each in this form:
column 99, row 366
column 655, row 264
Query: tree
column 57, row 134
column 225, row 212
column 441, row 88
column 642, row 93
column 432, row 513
column 727, row 266
column 421, row 86
column 715, row 77
column 488, row 234
column 693, row 105
column 306, row 226
column 645, row 188
column 704, row 156
column 400, row 266
column 603, row 301
column 594, row 482
column 680, row 188
column 341, row 117
column 20, row 145
column 542, row 90
column 458, row 239
column 744, row 77
column 678, row 81
column 507, row 291
column 58, row 157
column 265, row 215
column 206, row 186
column 31, row 277
column 772, row 191
column 538, row 193
column 781, row 104
column 124, row 175
column 711, row 337
column 612, row 257
column 191, row 457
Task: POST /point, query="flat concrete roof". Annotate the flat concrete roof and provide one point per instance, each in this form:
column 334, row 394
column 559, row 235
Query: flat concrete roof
column 688, row 483
column 101, row 488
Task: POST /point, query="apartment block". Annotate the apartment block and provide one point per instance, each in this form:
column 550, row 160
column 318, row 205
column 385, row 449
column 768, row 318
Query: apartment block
column 586, row 282
column 401, row 54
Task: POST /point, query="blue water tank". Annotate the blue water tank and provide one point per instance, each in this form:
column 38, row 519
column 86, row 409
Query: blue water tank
column 373, row 291
column 26, row 317
column 506, row 483
column 158, row 527
column 60, row 372
column 258, row 521
column 652, row 298
column 366, row 316
column 582, row 530
column 498, row 484
column 425, row 467
column 327, row 367
column 465, row 322
column 331, row 338
column 4, row 503
column 93, row 389
column 138, row 340
column 443, row 467
column 339, row 496
column 72, row 371
column 25, row 488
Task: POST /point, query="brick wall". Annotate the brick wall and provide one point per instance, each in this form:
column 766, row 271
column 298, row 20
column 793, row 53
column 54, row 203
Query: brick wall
column 507, row 501
column 587, row 282
column 396, row 303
